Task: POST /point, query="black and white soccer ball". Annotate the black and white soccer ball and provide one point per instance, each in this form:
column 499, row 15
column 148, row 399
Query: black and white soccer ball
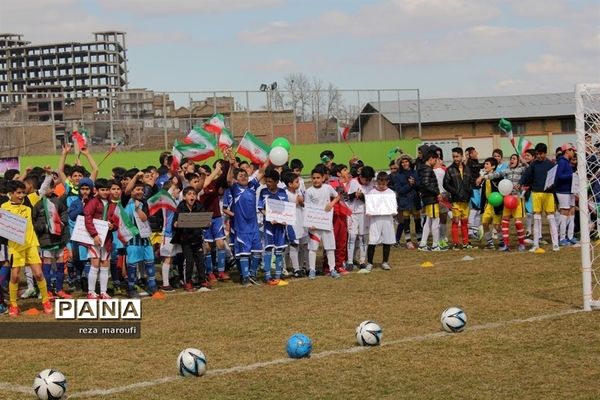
column 191, row 362
column 453, row 319
column 50, row 384
column 368, row 333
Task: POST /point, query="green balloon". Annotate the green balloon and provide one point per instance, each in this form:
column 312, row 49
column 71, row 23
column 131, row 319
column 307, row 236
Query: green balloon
column 281, row 142
column 505, row 125
column 495, row 199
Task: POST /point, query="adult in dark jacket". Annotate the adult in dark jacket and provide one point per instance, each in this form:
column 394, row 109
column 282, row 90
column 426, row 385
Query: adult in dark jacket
column 430, row 195
column 406, row 186
column 458, row 184
column 563, row 186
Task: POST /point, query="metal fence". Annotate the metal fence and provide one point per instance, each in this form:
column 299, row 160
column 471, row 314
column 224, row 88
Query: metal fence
column 39, row 122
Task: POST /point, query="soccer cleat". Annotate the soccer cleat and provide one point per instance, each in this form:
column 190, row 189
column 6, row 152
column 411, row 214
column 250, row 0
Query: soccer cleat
column 13, row 311
column 118, row 291
column 3, row 309
column 273, row 282
column 312, row 274
column 573, row 241
column 104, row 296
column 522, row 247
column 246, row 282
column 254, row 280
column 424, row 248
column 555, row 248
column 188, row 287
column 29, row 293
column 489, row 246
column 343, row 271
column 282, row 283
column 297, row 274
column 133, row 294
column 51, row 296
column 334, row 273
column 437, row 249
column 503, row 248
column 444, row 247
column 349, row 266
column 533, row 249
column 285, row 272
column 366, row 269
column 386, row 266
column 204, row 288
column 47, row 307
column 212, row 278
column 92, row 296
column 564, row 242
column 410, row 245
column 223, row 277
column 467, row 246
column 63, row 295
column 456, row 247
column 397, row 244
column 167, row 289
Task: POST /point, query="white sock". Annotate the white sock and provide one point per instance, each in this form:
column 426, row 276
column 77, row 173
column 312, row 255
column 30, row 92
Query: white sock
column 553, row 230
column 472, row 221
column 312, row 260
column 562, row 226
column 529, row 223
column 29, row 278
column 351, row 247
column 435, row 232
column 362, row 248
column 570, row 227
column 166, row 267
column 92, row 278
column 426, row 231
column 103, row 280
column 294, row 257
column 331, row 259
column 537, row 229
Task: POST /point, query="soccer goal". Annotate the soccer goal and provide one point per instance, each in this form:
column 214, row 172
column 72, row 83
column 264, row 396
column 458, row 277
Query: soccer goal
column 587, row 123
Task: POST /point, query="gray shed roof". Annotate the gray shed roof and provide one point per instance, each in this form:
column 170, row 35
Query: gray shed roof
column 477, row 108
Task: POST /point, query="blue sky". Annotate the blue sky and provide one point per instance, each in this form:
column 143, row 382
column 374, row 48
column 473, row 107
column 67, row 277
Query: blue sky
column 446, row 48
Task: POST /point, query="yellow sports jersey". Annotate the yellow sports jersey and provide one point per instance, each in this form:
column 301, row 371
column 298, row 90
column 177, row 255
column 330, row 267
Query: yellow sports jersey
column 30, row 236
column 33, row 198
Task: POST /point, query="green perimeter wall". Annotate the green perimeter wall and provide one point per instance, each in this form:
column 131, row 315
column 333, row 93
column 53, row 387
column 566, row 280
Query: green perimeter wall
column 372, row 153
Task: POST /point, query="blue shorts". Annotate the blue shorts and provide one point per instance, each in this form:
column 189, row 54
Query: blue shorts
column 275, row 236
column 245, row 243
column 136, row 254
column 82, row 251
column 215, row 231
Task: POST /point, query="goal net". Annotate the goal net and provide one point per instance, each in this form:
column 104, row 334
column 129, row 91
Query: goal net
column 587, row 122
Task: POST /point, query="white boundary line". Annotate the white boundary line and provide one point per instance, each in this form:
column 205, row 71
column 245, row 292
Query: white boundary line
column 323, row 354
column 11, row 387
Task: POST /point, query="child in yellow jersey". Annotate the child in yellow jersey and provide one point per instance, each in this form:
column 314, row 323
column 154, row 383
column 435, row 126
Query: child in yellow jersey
column 491, row 214
column 24, row 254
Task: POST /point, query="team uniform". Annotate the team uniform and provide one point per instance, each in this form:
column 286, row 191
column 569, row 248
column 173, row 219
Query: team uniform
column 358, row 221
column 216, row 231
column 275, row 235
column 381, row 227
column 299, row 246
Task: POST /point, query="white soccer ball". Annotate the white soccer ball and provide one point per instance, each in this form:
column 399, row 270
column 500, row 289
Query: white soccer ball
column 191, row 362
column 368, row 333
column 453, row 319
column 50, row 384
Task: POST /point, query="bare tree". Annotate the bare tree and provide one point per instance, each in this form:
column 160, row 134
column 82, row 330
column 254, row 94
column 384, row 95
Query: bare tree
column 334, row 101
column 298, row 86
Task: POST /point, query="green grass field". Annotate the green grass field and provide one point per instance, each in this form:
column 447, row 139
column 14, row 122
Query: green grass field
column 525, row 337
column 372, row 153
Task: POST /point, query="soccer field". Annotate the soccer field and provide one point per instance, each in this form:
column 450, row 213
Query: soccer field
column 525, row 337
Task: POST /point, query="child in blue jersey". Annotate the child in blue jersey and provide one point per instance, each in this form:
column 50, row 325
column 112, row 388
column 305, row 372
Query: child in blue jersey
column 245, row 222
column 139, row 248
column 275, row 235
column 299, row 245
column 79, row 264
column 169, row 250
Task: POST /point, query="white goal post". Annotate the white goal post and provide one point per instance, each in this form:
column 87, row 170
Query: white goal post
column 587, row 123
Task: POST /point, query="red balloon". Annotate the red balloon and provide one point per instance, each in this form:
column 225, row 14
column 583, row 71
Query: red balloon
column 511, row 202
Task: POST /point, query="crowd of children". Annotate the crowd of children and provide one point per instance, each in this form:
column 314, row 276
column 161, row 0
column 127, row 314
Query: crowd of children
column 121, row 257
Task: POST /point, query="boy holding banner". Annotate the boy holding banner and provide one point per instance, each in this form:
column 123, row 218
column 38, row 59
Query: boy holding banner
column 381, row 222
column 25, row 253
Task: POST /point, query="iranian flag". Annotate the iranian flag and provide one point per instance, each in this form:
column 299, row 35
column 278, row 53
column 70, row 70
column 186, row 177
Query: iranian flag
column 191, row 151
column 506, row 127
column 523, row 145
column 252, row 148
column 126, row 229
column 53, row 221
column 215, row 124
column 343, row 131
column 225, row 139
column 81, row 138
column 161, row 200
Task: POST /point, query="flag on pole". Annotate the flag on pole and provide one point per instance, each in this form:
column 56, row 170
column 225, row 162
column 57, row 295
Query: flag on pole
column 192, row 151
column 225, row 139
column 161, row 200
column 523, row 145
column 81, row 138
column 215, row 124
column 343, row 131
column 53, row 221
column 506, row 127
column 126, row 229
column 253, row 148
column 199, row 135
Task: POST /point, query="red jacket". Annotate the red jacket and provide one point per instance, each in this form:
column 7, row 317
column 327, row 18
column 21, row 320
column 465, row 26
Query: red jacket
column 94, row 209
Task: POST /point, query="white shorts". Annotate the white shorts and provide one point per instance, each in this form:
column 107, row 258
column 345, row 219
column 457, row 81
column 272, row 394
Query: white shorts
column 167, row 249
column 56, row 254
column 4, row 253
column 381, row 230
column 357, row 224
column 318, row 236
column 98, row 252
column 565, row 200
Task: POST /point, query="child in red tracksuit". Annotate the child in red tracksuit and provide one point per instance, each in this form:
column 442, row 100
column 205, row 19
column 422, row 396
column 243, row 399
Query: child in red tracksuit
column 100, row 207
column 341, row 212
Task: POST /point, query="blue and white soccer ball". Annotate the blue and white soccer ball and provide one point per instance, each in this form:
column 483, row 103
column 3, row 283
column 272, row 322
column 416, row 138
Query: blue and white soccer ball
column 191, row 362
column 299, row 346
column 50, row 384
column 368, row 333
column 453, row 319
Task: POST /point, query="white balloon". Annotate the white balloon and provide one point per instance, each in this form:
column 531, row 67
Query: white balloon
column 505, row 187
column 278, row 156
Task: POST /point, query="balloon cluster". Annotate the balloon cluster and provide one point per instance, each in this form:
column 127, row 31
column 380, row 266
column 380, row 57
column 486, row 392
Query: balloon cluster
column 279, row 153
column 504, row 196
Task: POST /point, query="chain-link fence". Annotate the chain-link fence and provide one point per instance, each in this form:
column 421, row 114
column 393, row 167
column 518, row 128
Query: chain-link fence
column 39, row 122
